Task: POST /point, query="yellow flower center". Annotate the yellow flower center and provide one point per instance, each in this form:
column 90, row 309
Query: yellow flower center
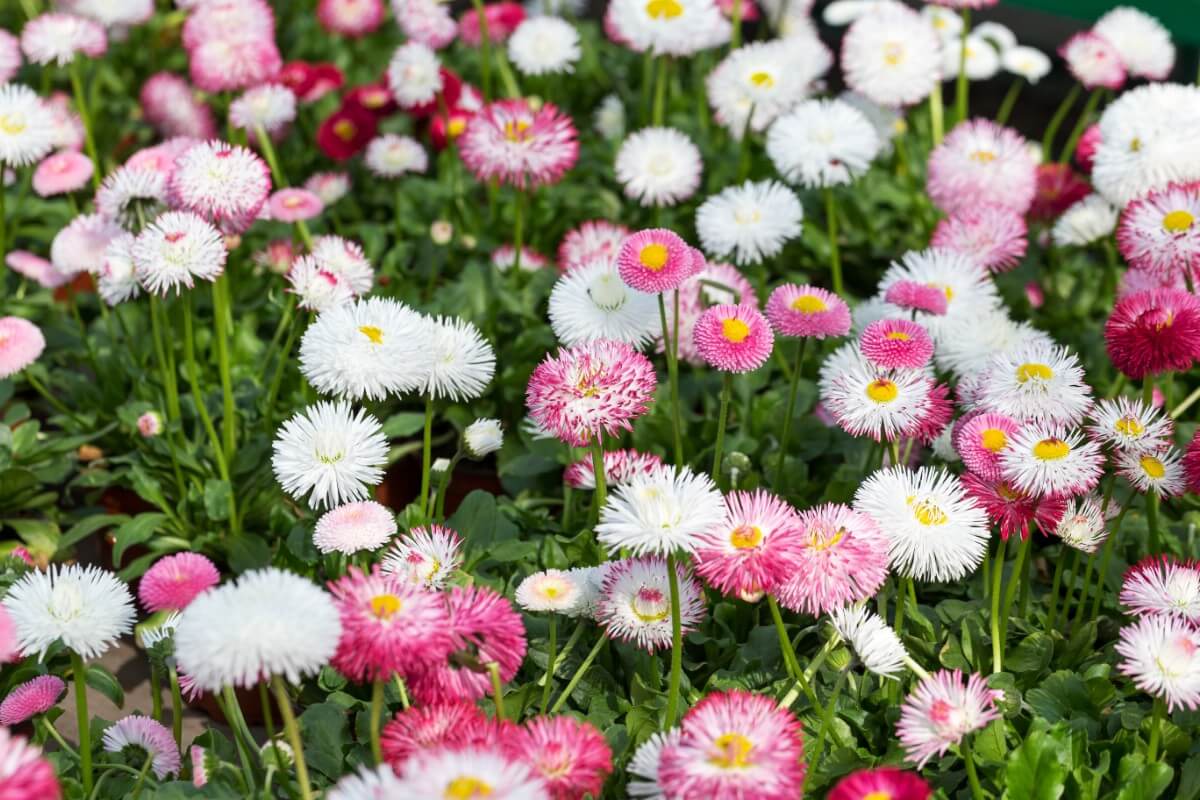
column 1129, row 426
column 746, row 537
column 467, row 788
column 1135, row 145
column 897, row 336
column 927, row 512
column 1178, row 221
column 820, row 539
column 664, row 9
column 877, row 796
column 385, row 606
column 1028, row 371
column 372, row 333
column 1051, row 450
column 735, row 330
column 809, row 304
column 882, row 391
column 893, row 53
column 653, row 256
column 983, row 156
column 456, row 127
column 650, row 605
column 12, row 124
column 514, row 130
column 945, row 289
column 1153, row 467
column 732, row 751
column 762, row 80
column 993, row 439
column 345, row 129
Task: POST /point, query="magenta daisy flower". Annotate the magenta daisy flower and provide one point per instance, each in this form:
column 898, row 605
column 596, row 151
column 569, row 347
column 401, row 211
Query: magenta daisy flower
column 508, row 141
column 843, row 559
column 981, row 439
column 24, row 774
column 941, row 711
column 735, row 744
column 914, row 296
column 754, row 549
column 982, row 159
column 389, row 626
column 991, row 235
column 733, row 338
column 1191, row 464
column 484, row 629
column 33, row 697
column 595, row 240
column 1152, row 332
column 896, row 344
column 10, row 646
column 176, row 580
column 1160, row 233
column 455, row 723
column 655, row 260
column 1163, row 586
column 1011, row 509
column 1093, row 61
column 881, row 783
column 619, row 467
column 807, row 311
column 21, row 342
column 571, row 756
column 223, row 183
column 151, row 738
column 590, row 389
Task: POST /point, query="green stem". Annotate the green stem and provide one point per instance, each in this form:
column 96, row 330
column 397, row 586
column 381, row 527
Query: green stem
column 485, row 50
column 722, row 420
column 780, row 476
column 835, row 258
column 268, row 149
column 3, row 238
column 83, row 721
column 56, row 736
column 176, row 704
column 1155, row 538
column 1072, row 575
column 1156, row 725
column 293, row 735
column 439, row 506
column 672, row 379
column 578, row 676
column 551, row 656
column 426, row 455
column 1186, row 404
column 962, row 85
column 156, row 705
column 1014, row 583
column 189, row 354
column 1054, row 586
column 141, row 779
column 246, row 746
column 997, row 636
column 1009, row 101
column 220, row 293
column 376, row 714
column 901, row 606
column 277, row 378
column 660, row 90
column 676, row 646
column 791, row 663
column 1080, row 126
column 518, row 229
column 1104, row 557
column 826, row 720
column 936, row 124
column 85, row 117
column 54, row 402
column 1056, row 122
column 497, row 688
column 600, row 476
column 972, row 776
column 735, row 37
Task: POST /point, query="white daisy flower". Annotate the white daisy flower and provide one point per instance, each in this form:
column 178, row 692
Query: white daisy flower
column 56, row 38
column 316, row 288
column 635, row 602
column 414, row 75
column 116, row 281
column 660, row 511
column 149, row 739
column 643, row 767
column 330, row 454
column 113, row 13
column 425, row 556
column 822, row 143
column 1141, row 41
column 1036, row 382
column 175, row 250
column 609, row 118
column 1045, row 461
column 892, row 55
column 346, row 260
column 592, row 302
column 968, row 287
column 669, row 27
column 224, row 183
column 391, row 155
column 367, row 784
column 1162, row 657
column 372, row 347
column 658, row 166
column 999, row 36
column 937, row 532
column 1027, row 62
column 266, row 623
column 869, row 401
column 463, row 361
column 131, row 194
column 1162, row 586
column 1088, row 220
column 544, row 46
column 875, row 643
column 983, row 60
column 766, row 79
column 590, row 581
column 968, row 343
column 269, row 106
column 1131, row 425
column 86, row 608
column 550, row 590
column 750, row 222
column 945, row 22
column 483, row 436
column 483, row 773
column 1160, row 472
column 26, row 126
column 1083, row 525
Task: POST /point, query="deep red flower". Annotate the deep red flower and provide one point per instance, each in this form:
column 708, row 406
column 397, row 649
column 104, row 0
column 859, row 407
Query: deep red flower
column 889, row 782
column 310, row 81
column 446, row 128
column 1154, row 331
column 346, row 131
column 1058, row 188
column 452, row 86
column 502, row 20
column 1191, row 464
column 1085, row 150
column 374, row 98
column 1012, row 509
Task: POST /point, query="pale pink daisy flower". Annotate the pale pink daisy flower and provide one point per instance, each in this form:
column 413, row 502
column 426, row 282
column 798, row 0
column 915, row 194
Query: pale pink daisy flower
column 79, row 247
column 843, row 558
column 504, row 258
column 150, row 737
column 655, row 260
column 294, row 205
column 200, row 763
column 511, row 142
column 24, row 773
column 619, row 467
column 224, row 183
column 1093, row 61
column 149, row 424
column 982, row 159
column 214, row 19
column 162, row 157
column 635, row 602
column 35, row 268
column 354, row 527
column 991, row 235
column 485, row 628
column 1162, row 657
column 316, row 287
column 454, row 723
column 346, row 260
column 66, row 127
column 33, row 697
column 733, row 338
column 277, row 256
column 591, row 389
column 175, row 249
column 171, row 106
column 1160, row 233
column 896, row 344
column 270, row 106
column 1163, row 586
column 941, row 710
column 754, row 549
column 10, row 56
column 915, row 296
column 64, row 172
column 350, row 17
column 390, row 155
column 426, row 21
column 571, row 756
column 982, row 439
column 57, row 38
column 21, row 342
column 329, row 186
column 807, row 311
column 595, row 240
column 425, row 556
column 176, row 580
column 735, row 744
column 389, row 626
column 229, row 64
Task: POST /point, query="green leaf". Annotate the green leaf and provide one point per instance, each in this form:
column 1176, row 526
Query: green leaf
column 147, row 487
column 1032, row 654
column 403, row 424
column 300, row 545
column 106, row 684
column 134, row 532
column 217, row 497
column 1036, row 770
column 1189, row 780
column 323, row 728
column 248, row 552
column 1141, row 781
column 41, row 535
column 87, row 526
column 480, row 522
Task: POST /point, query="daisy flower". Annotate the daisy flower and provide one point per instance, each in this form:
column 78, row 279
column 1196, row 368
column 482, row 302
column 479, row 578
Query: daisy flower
column 754, row 549
column 608, row 118
column 822, row 143
column 223, row 183
column 346, row 260
column 269, row 106
column 807, row 311
column 426, row 21
column 1026, row 62
column 504, row 258
column 329, row 186
column 1160, row 233
column 457, row 723
column 881, row 782
column 750, row 222
column 941, row 711
column 875, row 643
column 1140, row 40
column 843, row 558
column 10, row 56
column 425, row 556
column 58, row 38
column 655, row 260
column 1163, row 586
column 176, row 580
column 591, row 302
column 510, row 142
column 966, row 345
column 33, row 697
column 967, row 286
column 1160, row 472
column 1191, row 464
column 892, row 55
column 1093, row 61
column 936, row 531
column 463, row 361
column 992, row 235
column 760, row 81
column 266, row 623
column 86, row 608
column 350, row 17
column 367, row 784
column 914, row 296
column 619, row 467
column 390, row 155
column 293, row 205
column 414, row 75
column 1083, row 525
column 1045, row 460
column 482, row 437
column 982, row 440
column 550, row 590
column 171, row 106
column 329, row 454
column 733, row 338
column 354, row 527
column 1012, row 509
column 667, row 27
column 867, row 400
column 62, row 173
column 595, row 240
column 896, row 344
column 150, row 738
column 658, row 166
column 982, row 59
column 316, row 287
column 635, row 602
column 1152, row 332
column 227, row 64
column 1084, row 222
column 644, row 766
column 982, row 159
column 502, row 19
column 660, row 512
column 35, row 268
column 735, row 744
column 481, row 771
column 1036, row 382
column 24, row 772
column 1162, row 657
column 209, row 20
column 132, row 193
column 79, row 247
column 544, row 46
column 21, row 342
column 1131, row 425
column 572, row 757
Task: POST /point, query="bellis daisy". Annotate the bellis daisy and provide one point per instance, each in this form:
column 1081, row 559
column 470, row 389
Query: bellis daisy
column 643, row 768
column 992, row 235
column 175, row 250
column 1026, row 62
column 671, row 28
column 27, row 130
column 1162, row 657
column 550, row 590
column 1093, row 61
column 982, row 159
column 762, row 80
column 892, row 55
column 1160, row 233
column 176, row 580
column 457, row 723
column 1153, row 332
column 226, row 184
column 572, row 757
column 317, row 288
column 463, row 361
column 329, row 454
column 896, row 344
column 941, row 710
column 1163, row 586
column 867, row 400
column 655, row 260
column 662, row 511
column 822, row 143
column 1131, row 425
column 21, row 342
column 482, row 770
column 1160, row 472
column 635, row 602
column 346, row 260
column 1036, row 382
column 148, row 736
column 482, row 437
column 354, row 527
column 881, row 782
column 1140, row 40
column 270, row 106
column 425, row 556
column 1088, row 220
column 595, row 240
column 58, row 38
column 1083, row 525
column 87, row 608
column 24, row 772
column 807, row 311
column 33, row 697
column 733, row 338
column 981, row 441
column 750, row 222
column 875, row 643
column 414, row 75
column 62, row 173
column 619, row 467
column 511, row 142
column 592, row 302
column 544, row 46
column 1045, row 460
column 658, row 166
column 843, row 558
column 391, row 155
column 753, row 549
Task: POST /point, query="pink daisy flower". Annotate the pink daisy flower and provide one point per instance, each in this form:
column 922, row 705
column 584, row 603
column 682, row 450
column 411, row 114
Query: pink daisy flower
column 1162, row 657
column 277, row 256
column 150, row 737
column 31, row 698
column 991, row 235
column 149, row 424
column 454, row 723
column 223, row 183
column 502, row 19
column 695, row 297
column 733, row 338
column 595, row 240
column 354, row 527
column 981, row 439
column 571, row 756
column 807, row 311
column 735, row 745
column 655, row 260
column 896, row 344
column 1093, row 61
column 294, row 205
column 79, row 247
column 1058, row 188
column 1163, row 586
column 754, row 549
column 10, row 648
column 1012, row 509
column 1085, row 148
column 941, row 711
column 504, row 258
column 57, row 38
column 914, row 296
column 510, row 142
column 21, row 342
column 170, row 105
column 34, row 267
column 1191, row 464
column 389, row 626
column 594, row 388
column 10, row 56
column 937, row 417
column 1152, row 332
column 176, row 580
column 24, row 774
column 619, row 467
column 634, row 604
column 350, row 17
column 426, row 21
column 214, row 19
column 982, row 159
column 1140, row 280
column 64, row 172
column 484, row 629
column 230, row 64
column 881, row 783
column 843, row 559
column 1160, row 233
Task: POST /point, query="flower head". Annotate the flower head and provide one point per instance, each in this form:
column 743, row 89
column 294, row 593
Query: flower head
column 875, row 643
column 350, row 17
column 619, row 467
column 354, row 527
column 1093, row 61
column 1160, row 472
column 133, row 192
column 35, row 696
column 26, row 126
column 1160, row 233
column 591, row 302
column 1084, row 222
column 151, row 738
column 992, row 235
column 881, row 782
column 270, row 106
column 1036, row 382
column 425, row 556
column 345, row 260
column 329, row 454
column 941, row 711
column 482, row 771
column 1083, row 525
column 463, row 361
column 658, row 166
column 223, row 183
column 1153, row 332
column 390, row 155
column 982, row 440
column 592, row 241
column 1162, row 656
column 807, row 311
column 655, row 260
column 843, row 558
column 754, row 549
column 175, row 250
column 1044, row 460
column 176, row 580
column 24, row 773
column 1163, row 586
column 171, row 106
column 1011, row 508
column 57, row 38
column 822, row 143
column 635, row 603
column 21, row 342
column 572, row 757
column 551, row 590
column 761, row 81
column 294, row 205
column 62, row 173
column 86, row 608
column 544, row 46
column 982, row 159
column 896, row 344
column 749, row 222
column 660, row 512
column 1142, row 43
column 675, row 28
column 509, row 141
column 733, row 338
column 892, row 55
column 457, row 723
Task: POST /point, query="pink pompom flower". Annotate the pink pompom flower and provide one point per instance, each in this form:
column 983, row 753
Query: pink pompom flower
column 733, row 338
column 619, row 467
column 21, row 342
column 24, row 773
column 149, row 424
column 34, row 267
column 170, row 105
column 880, row 783
column 64, row 172
column 1152, row 332
column 56, row 38
column 294, row 205
column 981, row 440
column 511, row 142
column 502, row 19
column 150, row 737
column 223, row 183
column 914, row 296
column 993, row 236
column 10, row 647
column 1093, row 61
column 808, row 312
column 595, row 240
column 33, row 697
column 896, row 344
column 1160, row 233
column 1162, row 657
column 176, row 580
column 350, row 17
column 982, row 159
column 10, row 56
column 656, row 260
column 229, row 64
column 354, row 527
column 941, row 711
column 453, row 723
column 843, row 559
column 754, row 549
column 571, row 756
